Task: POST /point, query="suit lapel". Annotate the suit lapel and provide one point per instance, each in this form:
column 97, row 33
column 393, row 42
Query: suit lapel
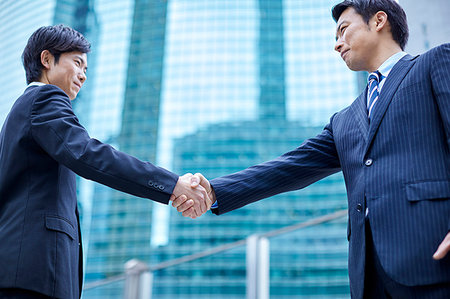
column 393, row 80
column 360, row 112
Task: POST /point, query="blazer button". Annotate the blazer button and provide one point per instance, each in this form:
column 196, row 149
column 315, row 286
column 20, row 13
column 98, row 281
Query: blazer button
column 359, row 207
column 150, row 183
column 368, row 162
column 161, row 187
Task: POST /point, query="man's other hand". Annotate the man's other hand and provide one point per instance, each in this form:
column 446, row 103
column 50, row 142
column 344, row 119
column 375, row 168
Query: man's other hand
column 443, row 248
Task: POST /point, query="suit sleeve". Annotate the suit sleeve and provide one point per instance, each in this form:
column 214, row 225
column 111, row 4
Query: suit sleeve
column 315, row 159
column 440, row 71
column 56, row 129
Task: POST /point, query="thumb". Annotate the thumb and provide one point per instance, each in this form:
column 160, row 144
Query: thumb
column 195, row 180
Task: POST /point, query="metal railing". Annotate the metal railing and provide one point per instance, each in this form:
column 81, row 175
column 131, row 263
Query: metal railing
column 138, row 275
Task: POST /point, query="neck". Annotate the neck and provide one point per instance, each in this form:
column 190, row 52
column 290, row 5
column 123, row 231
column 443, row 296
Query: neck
column 43, row 78
column 384, row 51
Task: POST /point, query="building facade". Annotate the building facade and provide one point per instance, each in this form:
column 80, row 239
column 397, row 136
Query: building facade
column 272, row 115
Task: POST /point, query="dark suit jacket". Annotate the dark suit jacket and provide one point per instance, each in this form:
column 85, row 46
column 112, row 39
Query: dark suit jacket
column 398, row 166
column 42, row 146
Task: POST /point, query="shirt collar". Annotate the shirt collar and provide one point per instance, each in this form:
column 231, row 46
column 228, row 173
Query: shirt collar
column 387, row 66
column 35, row 83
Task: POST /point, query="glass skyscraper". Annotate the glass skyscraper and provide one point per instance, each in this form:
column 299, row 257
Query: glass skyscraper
column 209, row 86
column 260, row 113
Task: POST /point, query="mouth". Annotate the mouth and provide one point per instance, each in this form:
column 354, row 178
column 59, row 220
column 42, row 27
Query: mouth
column 77, row 85
column 343, row 53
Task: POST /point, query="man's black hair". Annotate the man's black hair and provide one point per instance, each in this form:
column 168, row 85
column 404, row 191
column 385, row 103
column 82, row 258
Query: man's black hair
column 57, row 40
column 368, row 8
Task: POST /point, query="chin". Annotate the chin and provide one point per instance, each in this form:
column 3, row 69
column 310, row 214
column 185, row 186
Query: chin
column 349, row 65
column 354, row 68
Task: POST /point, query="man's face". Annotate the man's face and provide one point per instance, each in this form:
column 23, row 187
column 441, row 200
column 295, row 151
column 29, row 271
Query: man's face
column 69, row 73
column 355, row 40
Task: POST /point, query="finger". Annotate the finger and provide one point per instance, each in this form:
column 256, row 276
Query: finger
column 186, row 205
column 205, row 184
column 179, row 200
column 187, row 175
column 198, row 213
column 208, row 203
column 203, row 205
column 441, row 252
column 198, row 207
column 443, row 248
column 202, row 196
column 189, row 213
column 172, row 197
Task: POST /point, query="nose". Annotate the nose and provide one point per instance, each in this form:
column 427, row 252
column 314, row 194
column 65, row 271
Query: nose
column 82, row 77
column 338, row 45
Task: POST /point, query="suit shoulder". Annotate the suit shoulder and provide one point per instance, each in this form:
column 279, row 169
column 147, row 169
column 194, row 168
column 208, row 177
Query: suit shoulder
column 48, row 93
column 443, row 49
column 48, row 99
column 34, row 94
column 51, row 90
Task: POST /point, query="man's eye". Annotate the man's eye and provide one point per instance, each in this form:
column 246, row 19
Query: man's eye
column 343, row 29
column 77, row 62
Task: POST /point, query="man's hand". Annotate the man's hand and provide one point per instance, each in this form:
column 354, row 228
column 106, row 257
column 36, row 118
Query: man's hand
column 183, row 204
column 198, row 179
column 191, row 201
column 443, row 248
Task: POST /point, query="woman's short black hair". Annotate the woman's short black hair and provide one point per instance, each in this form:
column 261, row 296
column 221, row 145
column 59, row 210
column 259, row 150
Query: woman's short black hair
column 368, row 8
column 57, row 40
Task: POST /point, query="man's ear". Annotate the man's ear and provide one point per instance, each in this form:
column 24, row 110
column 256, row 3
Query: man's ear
column 47, row 59
column 380, row 20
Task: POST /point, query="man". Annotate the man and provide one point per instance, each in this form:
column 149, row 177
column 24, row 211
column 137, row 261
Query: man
column 393, row 146
column 42, row 146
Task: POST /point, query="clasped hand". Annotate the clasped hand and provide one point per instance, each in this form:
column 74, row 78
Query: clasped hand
column 192, row 195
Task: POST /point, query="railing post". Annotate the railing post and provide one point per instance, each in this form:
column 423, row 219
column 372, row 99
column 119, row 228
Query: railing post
column 258, row 266
column 251, row 262
column 138, row 280
column 263, row 268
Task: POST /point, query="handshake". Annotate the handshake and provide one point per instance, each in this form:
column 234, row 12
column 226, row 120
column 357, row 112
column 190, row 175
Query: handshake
column 192, row 195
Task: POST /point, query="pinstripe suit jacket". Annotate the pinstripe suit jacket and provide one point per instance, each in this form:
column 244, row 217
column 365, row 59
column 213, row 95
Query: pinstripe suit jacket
column 398, row 166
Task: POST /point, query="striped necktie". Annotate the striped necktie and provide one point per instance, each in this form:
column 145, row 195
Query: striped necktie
column 374, row 79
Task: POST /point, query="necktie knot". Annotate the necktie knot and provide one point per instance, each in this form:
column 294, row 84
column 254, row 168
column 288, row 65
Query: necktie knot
column 374, row 79
column 375, row 76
